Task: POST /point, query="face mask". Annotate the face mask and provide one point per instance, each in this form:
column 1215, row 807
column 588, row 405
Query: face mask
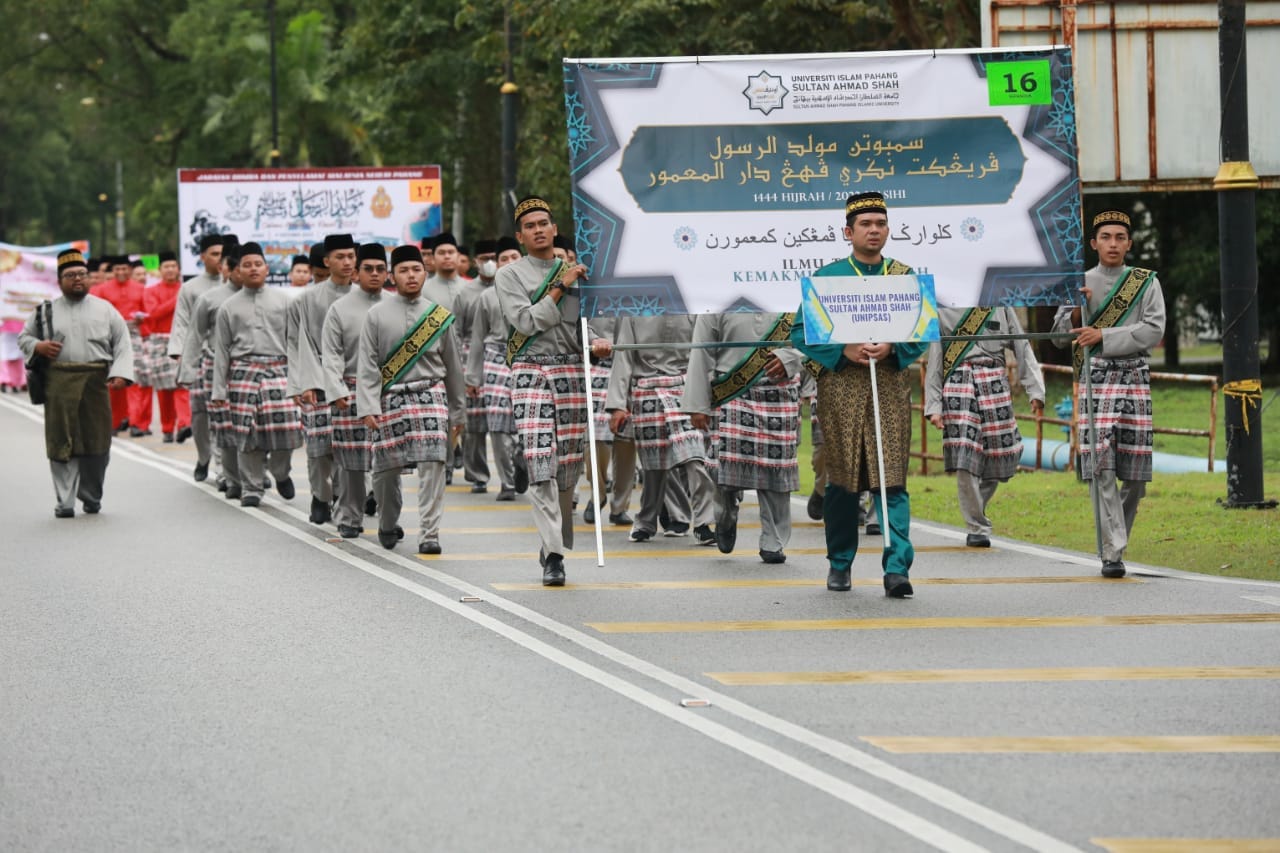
column 488, row 269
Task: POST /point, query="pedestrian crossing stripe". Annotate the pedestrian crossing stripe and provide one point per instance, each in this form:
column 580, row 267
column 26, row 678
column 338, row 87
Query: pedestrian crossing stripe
column 953, row 622
column 988, row 676
column 1184, row 744
column 776, row 583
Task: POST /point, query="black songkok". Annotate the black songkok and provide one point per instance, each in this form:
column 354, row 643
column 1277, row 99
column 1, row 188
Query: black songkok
column 506, row 243
column 299, row 259
column 252, row 249
column 404, row 254
column 371, row 252
column 338, row 242
column 428, row 243
column 69, row 258
column 1112, row 217
column 486, row 247
column 317, row 257
column 445, row 239
column 868, row 202
column 167, row 256
column 208, row 241
column 529, row 204
column 562, row 242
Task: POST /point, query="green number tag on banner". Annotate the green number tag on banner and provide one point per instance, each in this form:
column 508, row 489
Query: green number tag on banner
column 1019, row 84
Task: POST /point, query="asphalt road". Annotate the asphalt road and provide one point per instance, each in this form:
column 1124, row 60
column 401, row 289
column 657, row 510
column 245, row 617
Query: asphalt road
column 179, row 673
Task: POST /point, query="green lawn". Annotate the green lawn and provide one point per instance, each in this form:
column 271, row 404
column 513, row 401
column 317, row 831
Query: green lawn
column 1181, row 524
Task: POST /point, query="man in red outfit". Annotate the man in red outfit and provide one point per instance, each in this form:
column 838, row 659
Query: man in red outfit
column 126, row 295
column 159, row 302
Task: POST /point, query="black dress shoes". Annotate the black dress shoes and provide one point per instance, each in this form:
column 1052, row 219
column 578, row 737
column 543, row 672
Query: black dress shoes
column 727, row 524
column 589, row 514
column 233, row 491
column 250, row 500
column 370, row 504
column 873, row 528
column 285, row 488
column 64, row 512
column 183, row 434
column 773, row 558
column 347, row 531
column 522, row 477
column 1112, row 569
column 479, row 489
column 320, row 512
column 506, row 495
column 92, row 507
column 977, row 540
column 897, row 586
column 202, row 472
column 839, row 581
column 553, row 571
column 621, row 519
column 431, row 546
column 388, row 539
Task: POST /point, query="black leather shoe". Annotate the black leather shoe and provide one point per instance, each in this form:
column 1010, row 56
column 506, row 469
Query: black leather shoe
column 250, row 500
column 522, row 478
column 92, row 507
column 506, row 495
column 123, row 425
column 448, row 476
column 388, row 539
column 457, row 457
column 201, row 473
column 285, row 488
column 233, row 491
column 977, row 540
column 134, row 432
column 222, row 484
column 479, row 489
column 370, row 504
column 664, row 518
column 589, row 514
column 347, row 531
column 640, row 535
column 399, row 533
column 704, row 535
column 840, row 581
column 183, row 434
column 166, row 438
column 897, row 586
column 727, row 525
column 431, row 546
column 320, row 512
column 773, row 558
column 814, row 507
column 69, row 512
column 553, row 572
column 621, row 519
column 873, row 528
column 1112, row 569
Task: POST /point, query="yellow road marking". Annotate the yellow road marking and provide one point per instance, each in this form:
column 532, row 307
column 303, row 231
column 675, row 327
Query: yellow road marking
column 770, row 583
column 936, row 622
column 1189, row 845
column 1079, row 744
column 647, row 552
column 969, row 676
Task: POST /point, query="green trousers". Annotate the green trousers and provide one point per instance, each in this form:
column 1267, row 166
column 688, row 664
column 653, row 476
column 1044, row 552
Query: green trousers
column 840, row 519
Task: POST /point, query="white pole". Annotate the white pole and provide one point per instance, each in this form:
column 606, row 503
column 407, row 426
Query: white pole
column 884, row 492
column 596, row 510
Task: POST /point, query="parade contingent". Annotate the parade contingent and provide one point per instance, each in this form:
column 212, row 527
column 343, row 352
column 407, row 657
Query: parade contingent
column 379, row 363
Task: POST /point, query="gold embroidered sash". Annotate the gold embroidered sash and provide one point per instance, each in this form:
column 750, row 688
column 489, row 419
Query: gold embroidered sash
column 517, row 342
column 431, row 325
column 970, row 324
column 738, row 380
column 1122, row 299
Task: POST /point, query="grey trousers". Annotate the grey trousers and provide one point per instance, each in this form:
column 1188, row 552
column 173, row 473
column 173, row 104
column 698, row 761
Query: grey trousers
column 688, row 492
column 552, row 515
column 349, row 511
column 386, row 488
column 775, row 515
column 323, row 476
column 79, row 477
column 253, row 465
column 230, row 458
column 1117, row 508
column 622, row 453
column 975, row 493
column 504, row 457
column 206, row 450
column 474, row 465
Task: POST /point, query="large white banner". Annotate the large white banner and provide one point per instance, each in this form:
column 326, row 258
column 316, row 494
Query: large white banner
column 289, row 210
column 29, row 276
column 716, row 185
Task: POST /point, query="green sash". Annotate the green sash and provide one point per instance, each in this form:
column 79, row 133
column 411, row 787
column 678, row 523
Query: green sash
column 431, row 325
column 747, row 372
column 1122, row 299
column 970, row 324
column 893, row 267
column 518, row 342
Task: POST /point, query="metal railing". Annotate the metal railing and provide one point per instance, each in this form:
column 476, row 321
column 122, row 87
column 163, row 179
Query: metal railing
column 1211, row 433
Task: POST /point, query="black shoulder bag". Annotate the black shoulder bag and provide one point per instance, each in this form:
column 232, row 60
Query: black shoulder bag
column 38, row 365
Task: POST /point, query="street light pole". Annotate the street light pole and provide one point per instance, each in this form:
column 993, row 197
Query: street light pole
column 509, row 93
column 1237, row 184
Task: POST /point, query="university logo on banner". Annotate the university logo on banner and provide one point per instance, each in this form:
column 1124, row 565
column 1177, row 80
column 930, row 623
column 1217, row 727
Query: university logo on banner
column 713, row 186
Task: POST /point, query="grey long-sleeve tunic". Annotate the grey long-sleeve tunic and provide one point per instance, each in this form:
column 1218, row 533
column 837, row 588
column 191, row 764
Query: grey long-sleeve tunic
column 340, row 340
column 1002, row 320
column 1142, row 329
column 629, row 365
column 706, row 364
column 385, row 326
column 90, row 330
column 249, row 323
